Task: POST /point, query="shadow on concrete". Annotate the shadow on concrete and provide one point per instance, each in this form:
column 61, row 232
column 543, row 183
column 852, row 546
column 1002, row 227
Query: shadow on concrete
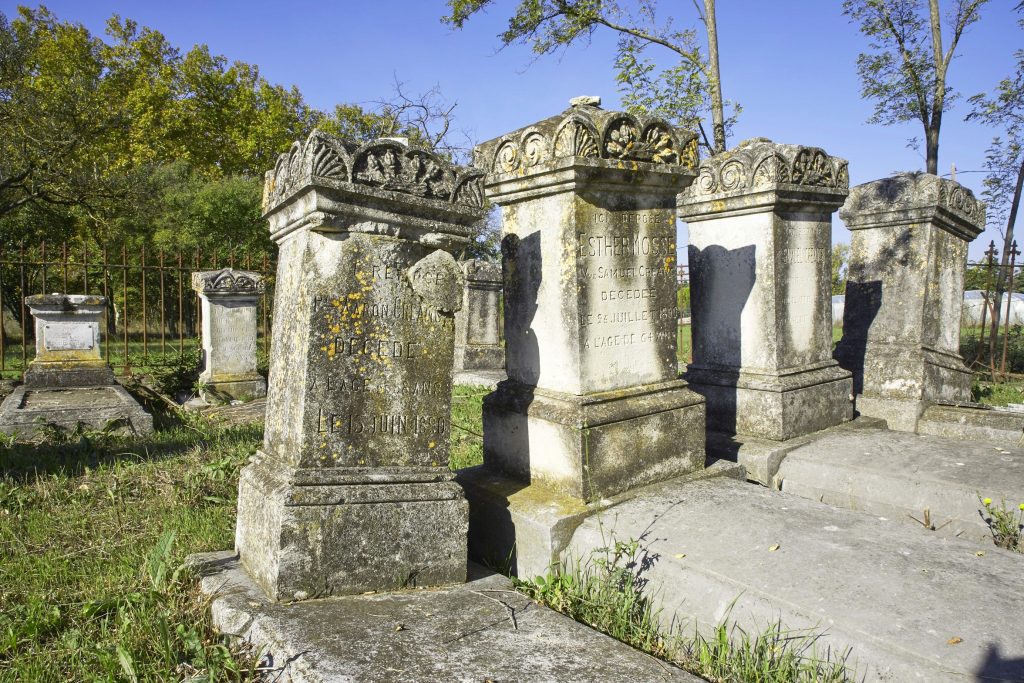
column 997, row 668
column 721, row 281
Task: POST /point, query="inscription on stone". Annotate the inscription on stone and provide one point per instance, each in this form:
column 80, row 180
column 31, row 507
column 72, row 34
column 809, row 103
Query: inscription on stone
column 68, row 337
column 384, row 389
column 627, row 263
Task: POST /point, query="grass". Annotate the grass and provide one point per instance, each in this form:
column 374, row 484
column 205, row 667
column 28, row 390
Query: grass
column 609, row 593
column 467, row 447
column 93, row 531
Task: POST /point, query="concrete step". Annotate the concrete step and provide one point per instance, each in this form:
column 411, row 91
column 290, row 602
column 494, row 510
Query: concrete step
column 900, row 475
column 479, row 631
column 899, row 596
column 974, row 422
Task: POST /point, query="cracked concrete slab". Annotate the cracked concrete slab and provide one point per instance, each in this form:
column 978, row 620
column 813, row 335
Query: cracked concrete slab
column 478, row 631
column 899, row 596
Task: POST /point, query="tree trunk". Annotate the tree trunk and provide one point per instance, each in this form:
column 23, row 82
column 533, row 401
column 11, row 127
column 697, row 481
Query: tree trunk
column 939, row 95
column 932, row 145
column 717, row 108
column 1004, row 261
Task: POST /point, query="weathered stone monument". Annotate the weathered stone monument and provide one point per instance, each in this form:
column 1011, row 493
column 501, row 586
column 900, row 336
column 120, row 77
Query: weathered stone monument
column 760, row 223
column 228, row 301
column 589, row 247
column 68, row 383
column 901, row 328
column 477, row 335
column 351, row 491
column 593, row 405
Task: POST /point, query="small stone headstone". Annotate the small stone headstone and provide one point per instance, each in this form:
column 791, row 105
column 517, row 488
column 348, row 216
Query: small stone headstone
column 229, row 301
column 68, row 383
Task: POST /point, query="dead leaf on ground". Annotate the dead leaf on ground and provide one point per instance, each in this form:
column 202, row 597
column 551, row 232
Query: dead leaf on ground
column 955, row 640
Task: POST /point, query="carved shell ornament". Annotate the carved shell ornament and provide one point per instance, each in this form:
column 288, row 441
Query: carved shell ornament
column 575, row 140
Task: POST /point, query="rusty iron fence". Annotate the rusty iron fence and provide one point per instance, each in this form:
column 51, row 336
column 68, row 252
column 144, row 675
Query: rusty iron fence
column 993, row 342
column 152, row 316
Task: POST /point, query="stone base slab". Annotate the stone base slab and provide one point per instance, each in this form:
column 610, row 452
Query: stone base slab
column 594, row 446
column 524, row 528
column 899, row 476
column 235, row 389
column 893, row 592
column 57, row 375
column 775, row 407
column 306, row 534
column 111, row 407
column 479, row 358
column 761, row 458
column 974, row 423
column 480, row 631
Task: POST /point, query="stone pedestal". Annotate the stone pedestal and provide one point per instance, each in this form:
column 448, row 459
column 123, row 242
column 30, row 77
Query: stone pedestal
column 901, row 326
column 68, row 383
column 477, row 339
column 351, row 491
column 593, row 406
column 760, row 224
column 67, row 331
column 229, row 298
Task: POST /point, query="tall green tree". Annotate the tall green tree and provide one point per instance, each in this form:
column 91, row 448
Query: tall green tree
column 907, row 68
column 684, row 92
column 1004, row 160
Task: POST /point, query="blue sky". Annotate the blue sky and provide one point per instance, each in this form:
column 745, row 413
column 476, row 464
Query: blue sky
column 790, row 63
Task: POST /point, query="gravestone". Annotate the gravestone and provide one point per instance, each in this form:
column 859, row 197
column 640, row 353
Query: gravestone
column 477, row 336
column 760, row 225
column 901, row 327
column 351, row 491
column 593, row 405
column 228, row 300
column 68, row 383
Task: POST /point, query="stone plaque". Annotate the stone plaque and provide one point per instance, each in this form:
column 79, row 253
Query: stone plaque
column 68, row 337
column 626, row 267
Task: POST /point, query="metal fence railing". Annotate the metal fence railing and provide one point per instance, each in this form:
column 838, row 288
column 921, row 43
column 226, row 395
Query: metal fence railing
column 992, row 323
column 152, row 315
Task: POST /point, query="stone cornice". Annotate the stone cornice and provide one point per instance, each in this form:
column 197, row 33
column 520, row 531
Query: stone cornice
column 760, row 165
column 380, row 169
column 915, row 198
column 226, row 282
column 584, row 130
column 65, row 302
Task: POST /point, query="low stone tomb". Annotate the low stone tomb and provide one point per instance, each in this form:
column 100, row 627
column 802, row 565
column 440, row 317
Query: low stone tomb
column 229, row 298
column 593, row 405
column 351, row 491
column 68, row 382
column 477, row 335
column 904, row 294
column 760, row 225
